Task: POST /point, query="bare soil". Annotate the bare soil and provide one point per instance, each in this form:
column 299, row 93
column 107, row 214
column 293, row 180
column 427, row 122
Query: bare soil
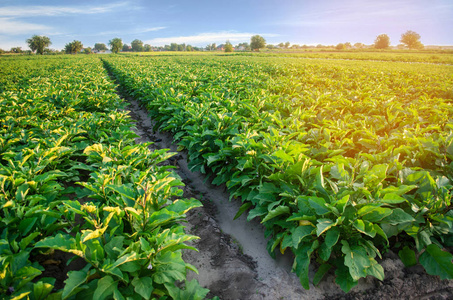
column 233, row 262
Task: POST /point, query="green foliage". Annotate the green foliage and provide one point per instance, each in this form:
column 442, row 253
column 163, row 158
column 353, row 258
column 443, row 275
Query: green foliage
column 257, row 42
column 137, row 45
column 228, row 47
column 100, row 47
column 116, row 45
column 72, row 143
column 411, row 39
column 325, row 154
column 73, row 47
column 382, row 41
column 38, row 43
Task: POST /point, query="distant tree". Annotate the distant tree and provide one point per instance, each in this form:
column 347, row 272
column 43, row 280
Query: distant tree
column 115, row 45
column 411, row 39
column 319, row 46
column 16, row 50
column 189, row 48
column 137, row 45
column 295, row 46
column 182, row 47
column 2, row 51
column 347, row 45
column 126, row 48
column 213, row 46
column 88, row 50
column 270, row 46
column 287, row 45
column 281, row 45
column 38, row 43
column 173, row 47
column 382, row 41
column 73, row 47
column 100, row 47
column 228, row 47
column 359, row 45
column 147, row 48
column 340, row 46
column 257, row 42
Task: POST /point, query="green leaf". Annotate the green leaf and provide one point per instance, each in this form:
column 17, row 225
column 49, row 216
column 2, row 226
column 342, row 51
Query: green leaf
column 319, row 205
column 143, row 286
column 332, row 237
column 192, row 291
column 242, row 209
column 365, row 227
column 392, row 198
column 376, row 270
column 302, row 262
column 300, row 232
column 74, row 281
column 284, row 156
column 106, row 286
column 344, row 279
column 256, row 212
column 323, row 269
column 437, row 262
column 397, row 217
column 373, row 213
column 323, row 225
column 407, row 256
column 41, row 290
column 61, row 242
column 356, row 259
column 280, row 210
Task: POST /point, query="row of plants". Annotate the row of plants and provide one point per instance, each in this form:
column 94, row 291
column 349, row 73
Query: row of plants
column 341, row 161
column 73, row 180
column 408, row 56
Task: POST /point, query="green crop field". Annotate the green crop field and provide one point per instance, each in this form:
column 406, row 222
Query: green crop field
column 340, row 160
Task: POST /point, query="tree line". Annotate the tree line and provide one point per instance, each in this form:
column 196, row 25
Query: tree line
column 39, row 45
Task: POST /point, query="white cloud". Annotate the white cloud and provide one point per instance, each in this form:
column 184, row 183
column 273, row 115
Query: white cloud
column 40, row 11
column 13, row 27
column 207, row 37
column 151, row 29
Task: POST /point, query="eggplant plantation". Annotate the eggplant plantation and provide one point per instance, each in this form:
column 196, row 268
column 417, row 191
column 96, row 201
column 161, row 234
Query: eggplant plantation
column 340, row 161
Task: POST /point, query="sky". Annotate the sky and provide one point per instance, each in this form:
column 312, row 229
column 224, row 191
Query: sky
column 199, row 23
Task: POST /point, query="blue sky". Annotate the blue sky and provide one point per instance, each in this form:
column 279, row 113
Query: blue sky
column 199, row 23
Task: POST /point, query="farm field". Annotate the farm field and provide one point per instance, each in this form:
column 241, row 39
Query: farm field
column 342, row 162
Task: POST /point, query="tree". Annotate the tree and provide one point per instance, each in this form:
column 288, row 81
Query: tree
column 189, row 48
column 38, row 43
column 228, row 47
column 73, row 47
column 411, row 39
column 16, row 50
column 147, row 48
column 2, row 51
column 126, row 48
column 340, row 46
column 257, row 42
column 382, row 41
column 88, row 50
column 100, row 47
column 137, row 45
column 287, row 45
column 115, row 45
column 359, row 45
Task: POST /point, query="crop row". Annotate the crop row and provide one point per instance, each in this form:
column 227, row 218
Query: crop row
column 341, row 161
column 73, row 180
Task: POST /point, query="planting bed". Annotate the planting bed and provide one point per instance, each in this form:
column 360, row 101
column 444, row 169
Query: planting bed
column 340, row 170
